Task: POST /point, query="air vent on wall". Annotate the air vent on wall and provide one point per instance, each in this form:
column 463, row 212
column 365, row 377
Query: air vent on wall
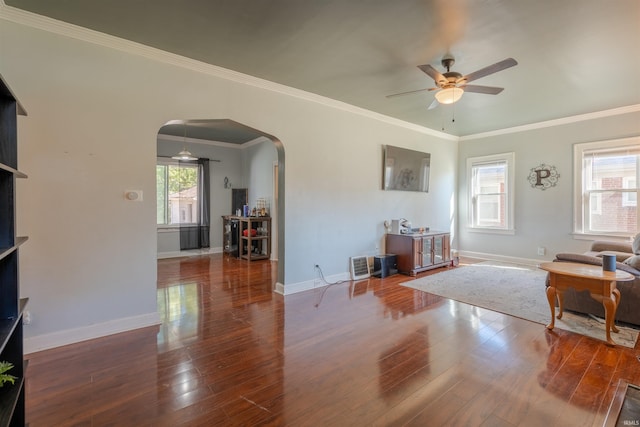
column 359, row 267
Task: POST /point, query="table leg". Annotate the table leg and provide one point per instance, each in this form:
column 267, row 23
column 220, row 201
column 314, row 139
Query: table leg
column 609, row 313
column 616, row 294
column 560, row 294
column 551, row 297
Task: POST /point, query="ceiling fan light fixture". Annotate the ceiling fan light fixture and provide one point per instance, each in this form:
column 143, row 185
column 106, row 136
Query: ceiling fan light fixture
column 449, row 95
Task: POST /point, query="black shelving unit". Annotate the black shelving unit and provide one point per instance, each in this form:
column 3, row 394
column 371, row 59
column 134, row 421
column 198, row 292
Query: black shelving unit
column 12, row 400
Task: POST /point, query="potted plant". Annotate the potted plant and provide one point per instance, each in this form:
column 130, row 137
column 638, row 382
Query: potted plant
column 4, row 377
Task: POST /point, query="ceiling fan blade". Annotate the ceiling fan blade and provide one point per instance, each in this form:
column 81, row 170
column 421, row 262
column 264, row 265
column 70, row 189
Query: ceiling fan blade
column 498, row 66
column 433, row 73
column 489, row 90
column 410, row 92
column 433, row 105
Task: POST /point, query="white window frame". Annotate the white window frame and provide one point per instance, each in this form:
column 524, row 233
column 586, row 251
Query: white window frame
column 163, row 161
column 626, row 199
column 509, row 192
column 581, row 226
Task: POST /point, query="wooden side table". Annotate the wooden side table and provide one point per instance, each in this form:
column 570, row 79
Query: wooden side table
column 584, row 277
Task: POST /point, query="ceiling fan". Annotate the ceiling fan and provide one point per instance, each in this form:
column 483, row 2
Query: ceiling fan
column 452, row 85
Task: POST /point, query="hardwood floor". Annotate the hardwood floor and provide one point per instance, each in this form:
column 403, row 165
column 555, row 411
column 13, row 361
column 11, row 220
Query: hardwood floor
column 231, row 352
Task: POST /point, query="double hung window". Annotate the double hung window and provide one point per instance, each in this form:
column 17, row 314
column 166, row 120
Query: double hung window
column 491, row 192
column 606, row 190
column 177, row 193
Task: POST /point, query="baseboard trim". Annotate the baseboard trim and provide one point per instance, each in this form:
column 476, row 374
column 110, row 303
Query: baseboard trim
column 307, row 285
column 503, row 258
column 192, row 252
column 84, row 333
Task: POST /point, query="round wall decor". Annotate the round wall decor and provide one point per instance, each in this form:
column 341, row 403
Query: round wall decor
column 543, row 176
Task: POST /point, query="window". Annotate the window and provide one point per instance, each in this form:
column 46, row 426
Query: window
column 177, row 192
column 606, row 191
column 491, row 192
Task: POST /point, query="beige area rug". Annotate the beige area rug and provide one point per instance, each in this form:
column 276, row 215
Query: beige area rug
column 517, row 290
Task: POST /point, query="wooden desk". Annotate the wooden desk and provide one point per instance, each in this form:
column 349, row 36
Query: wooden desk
column 584, row 277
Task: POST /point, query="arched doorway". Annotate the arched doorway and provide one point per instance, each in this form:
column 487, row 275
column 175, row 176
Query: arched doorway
column 217, row 139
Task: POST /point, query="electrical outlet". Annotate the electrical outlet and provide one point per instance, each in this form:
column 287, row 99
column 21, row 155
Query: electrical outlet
column 542, row 251
column 26, row 318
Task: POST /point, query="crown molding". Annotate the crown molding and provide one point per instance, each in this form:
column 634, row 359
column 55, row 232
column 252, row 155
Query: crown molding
column 188, row 140
column 555, row 122
column 40, row 22
column 256, row 141
column 44, row 23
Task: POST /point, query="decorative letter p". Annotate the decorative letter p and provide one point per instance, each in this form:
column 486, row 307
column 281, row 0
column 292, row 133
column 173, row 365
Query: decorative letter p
column 542, row 174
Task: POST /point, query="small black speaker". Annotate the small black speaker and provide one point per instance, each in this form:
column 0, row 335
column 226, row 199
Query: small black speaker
column 385, row 265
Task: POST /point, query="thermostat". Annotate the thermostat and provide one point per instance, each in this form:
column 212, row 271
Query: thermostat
column 133, row 195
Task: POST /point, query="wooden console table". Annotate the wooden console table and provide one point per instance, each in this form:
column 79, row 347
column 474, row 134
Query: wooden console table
column 419, row 252
column 584, row 277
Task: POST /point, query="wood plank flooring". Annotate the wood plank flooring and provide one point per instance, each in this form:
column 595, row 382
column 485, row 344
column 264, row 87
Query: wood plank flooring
column 371, row 353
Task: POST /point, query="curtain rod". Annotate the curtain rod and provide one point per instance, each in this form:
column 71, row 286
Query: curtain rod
column 211, row 160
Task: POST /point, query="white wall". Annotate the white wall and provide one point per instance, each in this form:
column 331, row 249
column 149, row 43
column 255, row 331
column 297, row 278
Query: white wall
column 90, row 263
column 258, row 162
column 259, row 159
column 542, row 218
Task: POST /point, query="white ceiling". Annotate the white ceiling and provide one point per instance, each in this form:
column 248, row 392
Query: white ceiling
column 575, row 56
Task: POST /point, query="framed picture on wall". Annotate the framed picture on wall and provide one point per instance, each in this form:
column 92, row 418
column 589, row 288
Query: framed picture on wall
column 405, row 170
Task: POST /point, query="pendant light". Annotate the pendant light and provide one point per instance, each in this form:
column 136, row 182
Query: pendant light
column 184, row 154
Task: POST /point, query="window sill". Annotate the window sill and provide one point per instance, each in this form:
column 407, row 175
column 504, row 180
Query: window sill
column 610, row 237
column 172, row 228
column 168, row 229
column 509, row 232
